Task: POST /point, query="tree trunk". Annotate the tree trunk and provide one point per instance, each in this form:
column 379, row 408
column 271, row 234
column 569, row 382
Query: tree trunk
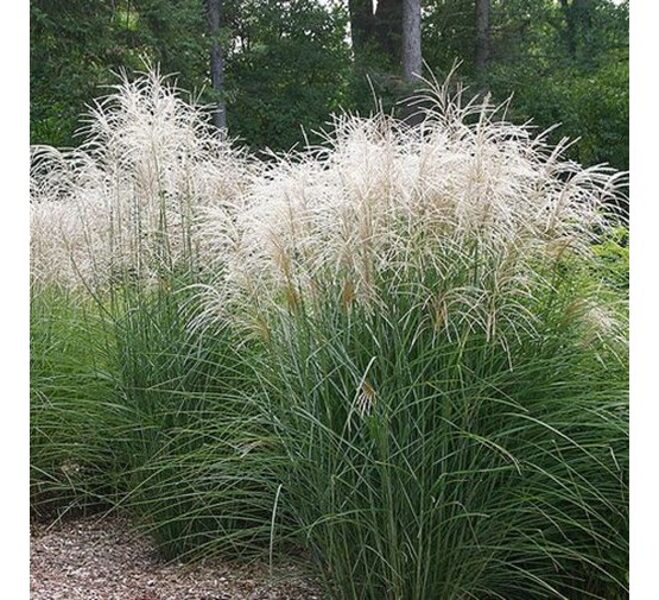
column 482, row 37
column 381, row 30
column 389, row 28
column 362, row 25
column 214, row 10
column 412, row 62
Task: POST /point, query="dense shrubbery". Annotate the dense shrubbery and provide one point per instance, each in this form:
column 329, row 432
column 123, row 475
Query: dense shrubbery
column 290, row 64
column 590, row 104
column 401, row 355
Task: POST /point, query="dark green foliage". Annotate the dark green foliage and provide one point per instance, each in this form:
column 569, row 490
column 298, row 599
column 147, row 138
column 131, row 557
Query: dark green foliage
column 592, row 106
column 423, row 467
column 289, row 64
column 583, row 84
column 289, row 71
column 71, row 405
column 72, row 47
column 449, row 31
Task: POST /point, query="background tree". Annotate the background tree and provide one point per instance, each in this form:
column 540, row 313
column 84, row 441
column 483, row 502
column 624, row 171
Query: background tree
column 362, row 26
column 586, row 91
column 577, row 14
column 412, row 62
column 389, row 29
column 482, row 36
column 289, row 63
column 214, row 10
column 288, row 68
column 73, row 46
column 378, row 29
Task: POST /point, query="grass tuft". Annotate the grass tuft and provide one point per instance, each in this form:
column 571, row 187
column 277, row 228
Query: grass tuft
column 401, row 356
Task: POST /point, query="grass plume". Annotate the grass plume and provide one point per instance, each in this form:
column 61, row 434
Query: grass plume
column 396, row 352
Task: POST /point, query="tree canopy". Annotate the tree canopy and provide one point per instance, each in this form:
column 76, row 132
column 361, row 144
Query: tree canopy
column 288, row 64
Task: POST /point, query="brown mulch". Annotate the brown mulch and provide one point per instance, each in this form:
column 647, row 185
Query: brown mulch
column 105, row 559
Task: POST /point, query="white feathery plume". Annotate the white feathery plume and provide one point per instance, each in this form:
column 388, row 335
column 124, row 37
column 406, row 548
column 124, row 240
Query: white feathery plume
column 127, row 201
column 464, row 193
column 465, row 211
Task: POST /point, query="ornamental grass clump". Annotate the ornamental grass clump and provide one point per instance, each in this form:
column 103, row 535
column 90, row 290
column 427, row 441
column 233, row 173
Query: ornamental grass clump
column 395, row 353
column 128, row 403
column 444, row 373
column 124, row 205
column 467, row 212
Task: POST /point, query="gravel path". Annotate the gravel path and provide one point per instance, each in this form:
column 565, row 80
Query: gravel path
column 104, row 559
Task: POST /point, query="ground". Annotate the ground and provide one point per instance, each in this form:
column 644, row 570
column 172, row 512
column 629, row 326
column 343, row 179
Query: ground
column 103, row 558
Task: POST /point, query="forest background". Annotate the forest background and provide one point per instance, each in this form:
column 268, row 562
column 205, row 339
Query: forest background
column 287, row 65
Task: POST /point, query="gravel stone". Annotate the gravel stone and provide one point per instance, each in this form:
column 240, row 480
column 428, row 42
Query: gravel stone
column 95, row 558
